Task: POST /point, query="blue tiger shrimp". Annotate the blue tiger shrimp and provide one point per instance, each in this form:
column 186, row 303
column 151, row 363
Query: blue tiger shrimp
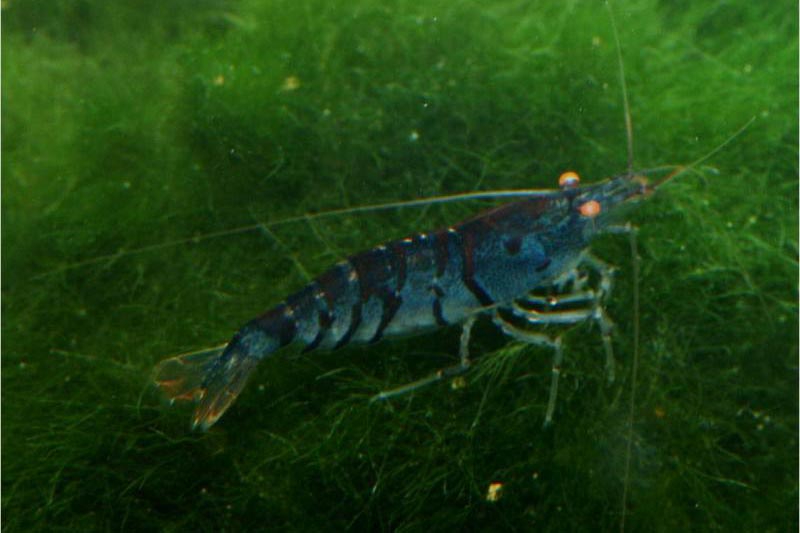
column 524, row 265
column 496, row 264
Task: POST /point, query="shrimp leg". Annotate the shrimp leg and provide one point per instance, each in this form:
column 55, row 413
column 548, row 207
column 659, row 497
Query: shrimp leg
column 538, row 339
column 561, row 310
column 439, row 375
column 600, row 316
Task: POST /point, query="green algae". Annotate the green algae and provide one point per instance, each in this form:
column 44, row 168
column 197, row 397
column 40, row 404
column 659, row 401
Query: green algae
column 131, row 125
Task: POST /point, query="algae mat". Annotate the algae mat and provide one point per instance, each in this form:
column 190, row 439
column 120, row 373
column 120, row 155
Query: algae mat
column 137, row 135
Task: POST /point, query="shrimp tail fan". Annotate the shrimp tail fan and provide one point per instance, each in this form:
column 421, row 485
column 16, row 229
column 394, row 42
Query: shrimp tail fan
column 213, row 378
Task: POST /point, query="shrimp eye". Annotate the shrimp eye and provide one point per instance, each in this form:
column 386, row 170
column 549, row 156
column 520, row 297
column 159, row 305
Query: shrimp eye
column 568, row 180
column 590, row 209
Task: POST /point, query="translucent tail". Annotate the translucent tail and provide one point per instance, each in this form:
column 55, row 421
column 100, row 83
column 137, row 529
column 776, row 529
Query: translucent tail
column 213, row 378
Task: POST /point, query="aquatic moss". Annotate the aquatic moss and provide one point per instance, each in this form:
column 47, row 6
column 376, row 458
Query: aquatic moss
column 142, row 124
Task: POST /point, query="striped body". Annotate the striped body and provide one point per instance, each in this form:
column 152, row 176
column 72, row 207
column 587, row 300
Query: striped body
column 413, row 285
column 428, row 280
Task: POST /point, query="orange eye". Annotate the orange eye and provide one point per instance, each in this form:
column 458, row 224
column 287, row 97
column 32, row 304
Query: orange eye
column 590, row 209
column 570, row 179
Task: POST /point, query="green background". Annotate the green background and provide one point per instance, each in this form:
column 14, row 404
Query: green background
column 139, row 124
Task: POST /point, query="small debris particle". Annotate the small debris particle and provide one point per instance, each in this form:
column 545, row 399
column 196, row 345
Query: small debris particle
column 495, row 492
column 291, row 83
column 596, row 41
column 413, row 136
column 458, row 383
column 219, row 80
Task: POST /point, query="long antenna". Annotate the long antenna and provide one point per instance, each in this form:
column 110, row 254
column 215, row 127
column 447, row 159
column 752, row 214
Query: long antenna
column 485, row 195
column 624, row 85
column 634, row 377
column 682, row 169
column 635, row 260
column 458, row 197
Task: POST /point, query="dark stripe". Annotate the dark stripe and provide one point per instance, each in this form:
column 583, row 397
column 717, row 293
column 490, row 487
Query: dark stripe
column 544, row 265
column 355, row 321
column 287, row 331
column 437, row 290
column 442, row 255
column 400, row 264
column 391, row 300
column 355, row 312
column 437, row 313
column 513, row 244
column 378, row 270
column 468, row 273
column 437, row 305
column 374, row 269
column 391, row 303
column 315, row 343
column 311, row 296
column 333, row 283
column 275, row 323
column 325, row 320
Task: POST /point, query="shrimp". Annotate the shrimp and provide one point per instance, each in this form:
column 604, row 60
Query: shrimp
column 524, row 264
column 496, row 263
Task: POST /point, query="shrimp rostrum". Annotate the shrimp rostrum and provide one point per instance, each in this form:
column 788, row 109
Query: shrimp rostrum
column 520, row 264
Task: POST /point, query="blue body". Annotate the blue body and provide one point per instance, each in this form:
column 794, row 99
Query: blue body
column 431, row 279
column 412, row 285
